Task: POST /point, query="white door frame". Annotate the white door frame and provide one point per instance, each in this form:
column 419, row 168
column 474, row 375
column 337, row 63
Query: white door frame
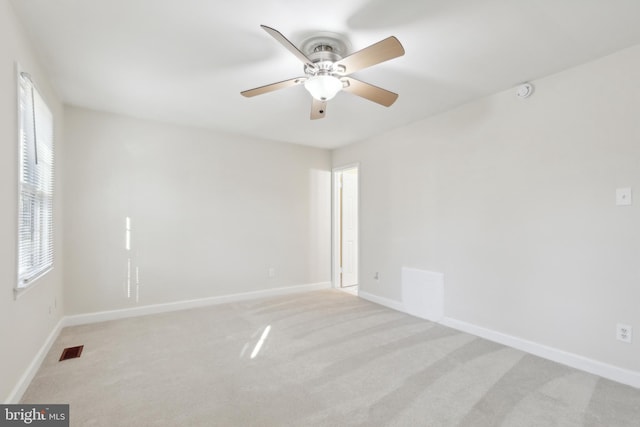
column 335, row 221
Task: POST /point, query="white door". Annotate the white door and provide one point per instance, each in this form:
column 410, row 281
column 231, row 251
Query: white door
column 349, row 228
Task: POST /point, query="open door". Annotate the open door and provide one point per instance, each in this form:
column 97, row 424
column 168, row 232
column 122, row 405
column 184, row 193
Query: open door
column 346, row 226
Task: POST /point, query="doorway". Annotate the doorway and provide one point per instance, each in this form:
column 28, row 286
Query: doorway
column 345, row 221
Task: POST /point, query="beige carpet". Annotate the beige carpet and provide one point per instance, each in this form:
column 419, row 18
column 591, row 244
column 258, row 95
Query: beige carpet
column 327, row 359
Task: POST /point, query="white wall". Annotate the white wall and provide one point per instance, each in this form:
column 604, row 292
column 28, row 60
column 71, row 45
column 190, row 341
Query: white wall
column 25, row 323
column 514, row 201
column 210, row 213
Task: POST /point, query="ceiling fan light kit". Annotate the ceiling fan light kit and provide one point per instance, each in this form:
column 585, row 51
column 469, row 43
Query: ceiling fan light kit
column 323, row 87
column 327, row 72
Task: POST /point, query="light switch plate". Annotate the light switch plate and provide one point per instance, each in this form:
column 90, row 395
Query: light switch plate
column 623, row 196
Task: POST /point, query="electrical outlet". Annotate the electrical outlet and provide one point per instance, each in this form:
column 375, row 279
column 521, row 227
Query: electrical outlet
column 376, row 276
column 272, row 272
column 623, row 332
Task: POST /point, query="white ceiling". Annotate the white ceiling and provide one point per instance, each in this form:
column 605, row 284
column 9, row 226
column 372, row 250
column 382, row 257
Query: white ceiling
column 186, row 61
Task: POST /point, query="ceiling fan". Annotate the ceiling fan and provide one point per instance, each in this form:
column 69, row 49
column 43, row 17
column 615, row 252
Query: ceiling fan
column 327, row 72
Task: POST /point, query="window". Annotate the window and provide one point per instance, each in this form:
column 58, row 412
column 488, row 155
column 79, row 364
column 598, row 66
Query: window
column 35, row 216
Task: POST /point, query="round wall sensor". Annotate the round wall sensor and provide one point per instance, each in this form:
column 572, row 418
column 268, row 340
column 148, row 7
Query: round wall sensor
column 524, row 90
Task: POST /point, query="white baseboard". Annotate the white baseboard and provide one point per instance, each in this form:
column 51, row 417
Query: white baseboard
column 614, row 373
column 81, row 319
column 604, row 370
column 18, row 391
column 103, row 316
column 393, row 304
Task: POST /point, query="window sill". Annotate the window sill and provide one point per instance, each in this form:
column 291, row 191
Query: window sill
column 20, row 291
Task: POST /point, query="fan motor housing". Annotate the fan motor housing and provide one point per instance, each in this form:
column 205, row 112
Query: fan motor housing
column 319, row 41
column 324, row 53
column 324, row 50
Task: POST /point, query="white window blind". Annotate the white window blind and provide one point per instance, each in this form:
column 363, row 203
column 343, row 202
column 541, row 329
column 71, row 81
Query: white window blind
column 35, row 216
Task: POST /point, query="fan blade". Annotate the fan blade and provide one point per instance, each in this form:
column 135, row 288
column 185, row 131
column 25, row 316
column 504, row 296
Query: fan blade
column 370, row 92
column 272, row 87
column 290, row 46
column 382, row 51
column 318, row 109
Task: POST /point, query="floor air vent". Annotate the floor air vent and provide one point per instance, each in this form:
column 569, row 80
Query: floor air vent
column 71, row 352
